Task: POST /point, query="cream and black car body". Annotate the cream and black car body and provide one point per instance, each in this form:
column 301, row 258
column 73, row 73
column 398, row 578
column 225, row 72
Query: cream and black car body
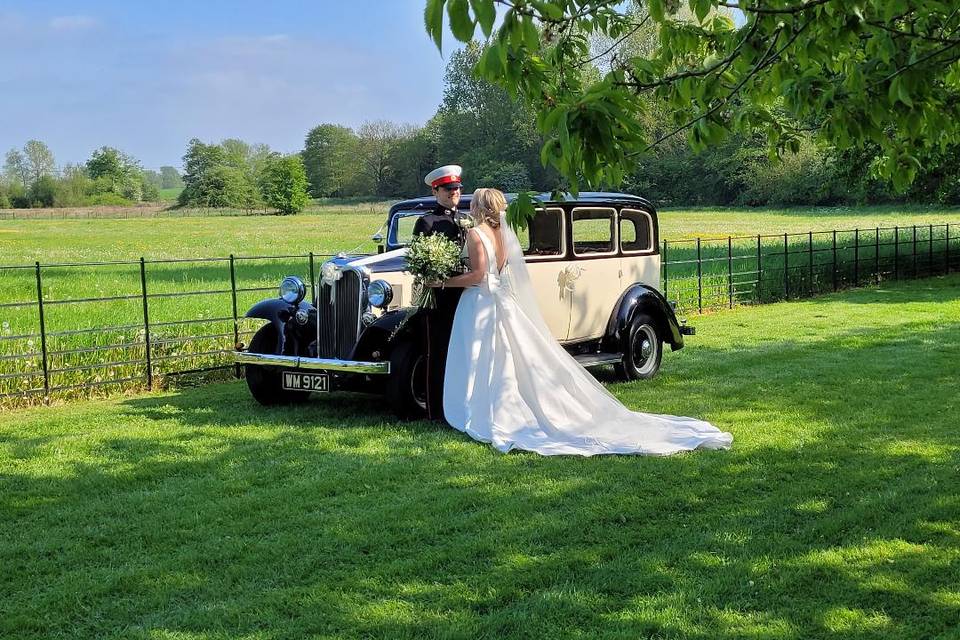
column 594, row 261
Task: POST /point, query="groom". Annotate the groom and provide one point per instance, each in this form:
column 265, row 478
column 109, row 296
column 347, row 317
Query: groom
column 437, row 323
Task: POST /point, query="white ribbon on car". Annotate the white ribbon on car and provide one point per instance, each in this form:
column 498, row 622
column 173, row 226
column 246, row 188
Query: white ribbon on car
column 566, row 278
column 329, row 274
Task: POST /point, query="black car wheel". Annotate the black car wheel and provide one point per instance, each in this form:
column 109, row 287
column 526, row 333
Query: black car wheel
column 643, row 350
column 407, row 384
column 265, row 383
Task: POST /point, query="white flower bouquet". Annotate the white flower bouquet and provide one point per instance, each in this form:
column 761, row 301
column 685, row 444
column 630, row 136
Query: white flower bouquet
column 431, row 258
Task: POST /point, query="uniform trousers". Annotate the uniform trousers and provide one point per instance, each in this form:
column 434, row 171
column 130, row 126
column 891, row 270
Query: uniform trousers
column 436, row 327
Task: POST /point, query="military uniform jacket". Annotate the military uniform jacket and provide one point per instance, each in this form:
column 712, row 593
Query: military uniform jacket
column 442, row 221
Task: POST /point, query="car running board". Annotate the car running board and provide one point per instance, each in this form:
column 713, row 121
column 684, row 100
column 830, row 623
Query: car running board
column 588, row 360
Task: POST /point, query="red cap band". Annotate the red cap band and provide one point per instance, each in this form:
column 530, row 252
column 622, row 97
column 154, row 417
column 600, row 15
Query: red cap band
column 444, row 180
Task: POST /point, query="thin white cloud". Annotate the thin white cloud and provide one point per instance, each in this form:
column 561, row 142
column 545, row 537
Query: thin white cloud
column 73, row 23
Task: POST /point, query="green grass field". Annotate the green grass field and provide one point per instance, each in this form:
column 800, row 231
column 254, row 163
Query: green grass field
column 199, row 514
column 342, row 227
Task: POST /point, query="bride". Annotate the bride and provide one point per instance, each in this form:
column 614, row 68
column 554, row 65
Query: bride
column 517, row 387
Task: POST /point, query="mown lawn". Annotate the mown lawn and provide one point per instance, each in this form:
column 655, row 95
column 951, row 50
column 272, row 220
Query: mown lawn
column 198, row 514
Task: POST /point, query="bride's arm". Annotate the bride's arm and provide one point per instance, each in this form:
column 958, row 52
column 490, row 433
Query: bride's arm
column 478, row 264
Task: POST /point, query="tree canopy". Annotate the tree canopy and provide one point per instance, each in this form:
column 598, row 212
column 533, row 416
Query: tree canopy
column 880, row 74
column 283, row 184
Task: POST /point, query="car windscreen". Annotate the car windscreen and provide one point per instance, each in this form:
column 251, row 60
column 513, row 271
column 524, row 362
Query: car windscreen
column 401, row 227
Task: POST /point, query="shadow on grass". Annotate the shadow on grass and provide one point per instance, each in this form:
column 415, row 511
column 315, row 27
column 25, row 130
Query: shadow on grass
column 218, row 517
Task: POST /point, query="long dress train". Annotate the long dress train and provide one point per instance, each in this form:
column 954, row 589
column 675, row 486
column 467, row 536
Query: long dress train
column 510, row 383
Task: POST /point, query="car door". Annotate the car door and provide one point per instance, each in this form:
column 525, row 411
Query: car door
column 594, row 274
column 544, row 246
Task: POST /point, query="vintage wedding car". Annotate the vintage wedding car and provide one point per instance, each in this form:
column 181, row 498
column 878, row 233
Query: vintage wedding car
column 594, row 261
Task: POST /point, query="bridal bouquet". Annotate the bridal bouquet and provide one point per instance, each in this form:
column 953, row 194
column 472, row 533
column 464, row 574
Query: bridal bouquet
column 431, row 258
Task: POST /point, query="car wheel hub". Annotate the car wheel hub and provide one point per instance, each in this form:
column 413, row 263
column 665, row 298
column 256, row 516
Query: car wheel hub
column 644, row 349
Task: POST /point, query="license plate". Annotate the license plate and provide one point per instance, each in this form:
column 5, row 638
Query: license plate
column 297, row 381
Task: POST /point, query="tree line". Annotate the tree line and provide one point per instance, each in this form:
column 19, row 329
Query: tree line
column 31, row 178
column 495, row 138
column 236, row 174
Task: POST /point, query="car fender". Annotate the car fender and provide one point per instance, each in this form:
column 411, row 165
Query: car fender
column 277, row 312
column 641, row 298
column 379, row 336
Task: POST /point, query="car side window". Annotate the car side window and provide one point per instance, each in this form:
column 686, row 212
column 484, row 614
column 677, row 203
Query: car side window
column 593, row 230
column 636, row 230
column 544, row 235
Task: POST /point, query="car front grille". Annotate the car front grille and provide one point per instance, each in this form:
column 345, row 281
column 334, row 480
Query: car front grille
column 339, row 322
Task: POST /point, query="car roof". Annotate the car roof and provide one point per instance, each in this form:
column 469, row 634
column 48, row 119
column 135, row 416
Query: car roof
column 585, row 197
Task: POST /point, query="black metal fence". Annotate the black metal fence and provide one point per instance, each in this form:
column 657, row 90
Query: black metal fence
column 81, row 329
column 711, row 274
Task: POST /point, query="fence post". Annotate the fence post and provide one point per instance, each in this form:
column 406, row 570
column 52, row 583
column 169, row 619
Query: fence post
column 948, row 248
column 930, row 251
column 896, row 252
column 730, row 270
column 835, row 260
column 856, row 257
column 236, row 322
column 663, row 263
column 759, row 272
column 876, row 253
column 915, row 251
column 786, row 268
column 810, row 255
column 699, row 279
column 146, row 322
column 43, row 338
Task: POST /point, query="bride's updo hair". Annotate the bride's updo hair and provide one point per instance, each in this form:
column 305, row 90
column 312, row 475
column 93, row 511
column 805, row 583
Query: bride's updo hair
column 486, row 206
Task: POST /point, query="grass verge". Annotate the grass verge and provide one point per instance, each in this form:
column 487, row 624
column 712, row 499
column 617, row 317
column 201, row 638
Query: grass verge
column 200, row 514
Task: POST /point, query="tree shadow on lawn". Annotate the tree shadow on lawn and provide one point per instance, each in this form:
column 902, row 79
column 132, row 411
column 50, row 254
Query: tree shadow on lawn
column 936, row 289
column 227, row 519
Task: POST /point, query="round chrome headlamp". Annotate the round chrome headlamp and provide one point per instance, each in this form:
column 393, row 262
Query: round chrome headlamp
column 292, row 290
column 379, row 293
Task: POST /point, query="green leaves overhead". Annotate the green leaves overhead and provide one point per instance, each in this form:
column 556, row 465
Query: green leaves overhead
column 460, row 23
column 433, row 18
column 871, row 72
column 486, row 15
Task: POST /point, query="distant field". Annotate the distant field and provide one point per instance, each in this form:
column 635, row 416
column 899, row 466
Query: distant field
column 688, row 223
column 330, row 228
column 169, row 195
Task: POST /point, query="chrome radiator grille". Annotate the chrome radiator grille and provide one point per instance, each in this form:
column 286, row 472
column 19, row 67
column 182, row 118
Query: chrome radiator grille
column 339, row 322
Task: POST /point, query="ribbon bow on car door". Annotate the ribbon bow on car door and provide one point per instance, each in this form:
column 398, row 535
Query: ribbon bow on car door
column 567, row 277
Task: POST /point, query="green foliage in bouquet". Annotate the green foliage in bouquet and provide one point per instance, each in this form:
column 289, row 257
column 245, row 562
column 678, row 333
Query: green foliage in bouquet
column 431, row 258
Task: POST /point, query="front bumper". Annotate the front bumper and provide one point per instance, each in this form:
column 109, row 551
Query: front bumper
column 314, row 364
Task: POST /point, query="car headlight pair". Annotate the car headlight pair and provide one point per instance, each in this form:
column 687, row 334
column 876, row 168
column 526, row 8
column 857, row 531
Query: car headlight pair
column 379, row 292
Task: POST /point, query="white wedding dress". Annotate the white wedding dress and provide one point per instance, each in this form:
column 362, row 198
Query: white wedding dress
column 510, row 383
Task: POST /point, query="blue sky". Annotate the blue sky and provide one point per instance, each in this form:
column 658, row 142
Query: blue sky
column 146, row 77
